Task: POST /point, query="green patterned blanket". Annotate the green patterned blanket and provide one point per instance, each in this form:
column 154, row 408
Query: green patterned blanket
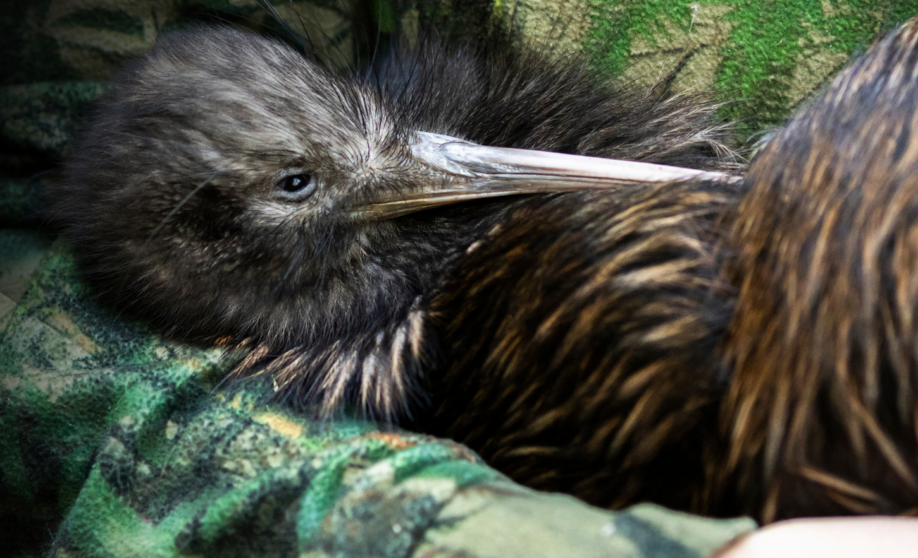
column 114, row 442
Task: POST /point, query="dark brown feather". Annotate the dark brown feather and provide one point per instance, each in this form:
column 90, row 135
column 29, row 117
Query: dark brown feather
column 718, row 350
column 171, row 198
column 821, row 411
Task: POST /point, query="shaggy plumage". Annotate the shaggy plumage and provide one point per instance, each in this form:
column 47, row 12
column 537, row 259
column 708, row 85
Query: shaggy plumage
column 177, row 198
column 723, row 351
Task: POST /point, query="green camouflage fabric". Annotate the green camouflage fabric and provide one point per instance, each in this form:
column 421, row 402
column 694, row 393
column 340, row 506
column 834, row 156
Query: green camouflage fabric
column 132, row 442
column 114, row 442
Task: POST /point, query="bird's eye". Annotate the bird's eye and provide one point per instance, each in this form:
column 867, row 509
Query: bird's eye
column 296, row 187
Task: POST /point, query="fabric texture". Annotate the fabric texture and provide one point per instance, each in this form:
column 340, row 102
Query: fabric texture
column 114, row 442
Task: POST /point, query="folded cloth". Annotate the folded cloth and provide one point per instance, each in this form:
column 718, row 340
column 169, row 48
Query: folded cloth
column 136, row 445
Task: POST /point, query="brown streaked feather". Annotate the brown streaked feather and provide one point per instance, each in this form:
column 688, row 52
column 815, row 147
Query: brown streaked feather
column 720, row 350
column 593, row 369
column 823, row 341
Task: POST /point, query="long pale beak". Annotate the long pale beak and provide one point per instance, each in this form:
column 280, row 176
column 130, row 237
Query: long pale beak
column 467, row 171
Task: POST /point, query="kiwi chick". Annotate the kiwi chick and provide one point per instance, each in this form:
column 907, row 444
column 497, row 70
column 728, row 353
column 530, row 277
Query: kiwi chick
column 230, row 189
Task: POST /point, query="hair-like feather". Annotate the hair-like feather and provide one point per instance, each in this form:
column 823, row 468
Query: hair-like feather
column 168, row 199
column 822, row 407
column 721, row 350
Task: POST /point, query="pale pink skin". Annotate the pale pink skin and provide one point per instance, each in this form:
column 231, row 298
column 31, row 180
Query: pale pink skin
column 862, row 537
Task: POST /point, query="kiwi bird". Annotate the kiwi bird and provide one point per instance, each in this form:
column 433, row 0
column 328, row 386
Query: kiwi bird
column 378, row 238
column 724, row 350
column 232, row 188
